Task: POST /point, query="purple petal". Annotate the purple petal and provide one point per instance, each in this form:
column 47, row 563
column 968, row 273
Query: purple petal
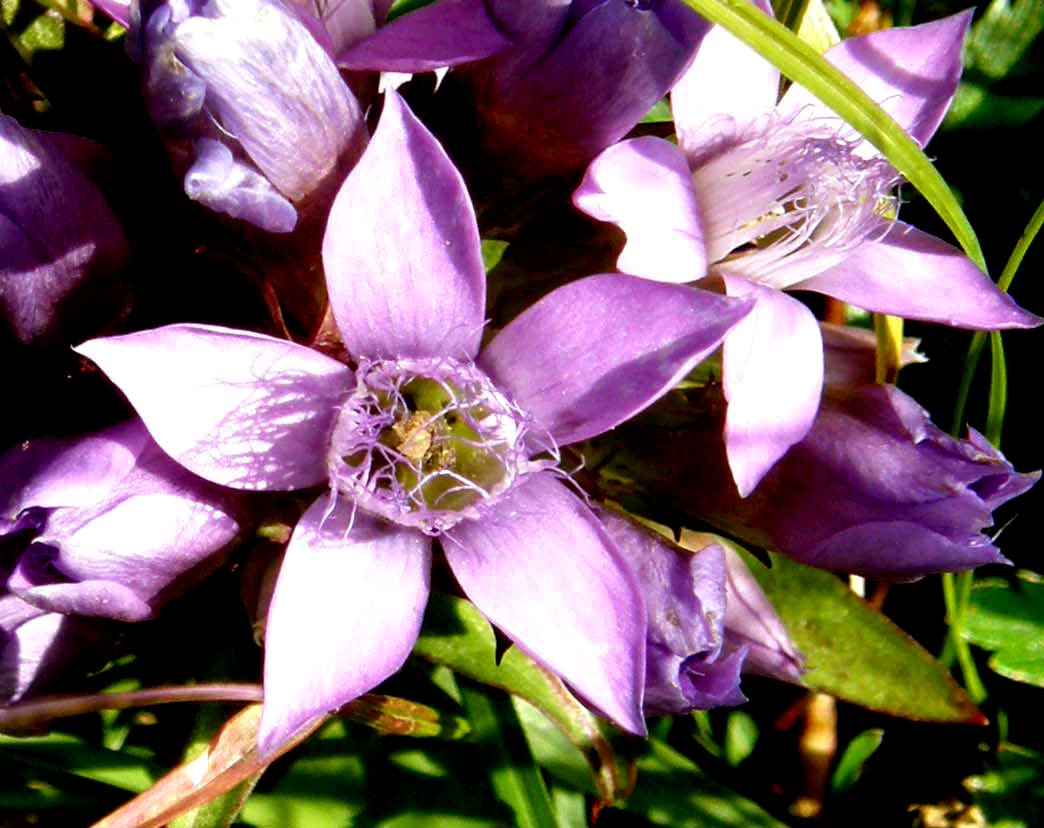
column 118, row 10
column 441, row 34
column 722, row 93
column 912, row 274
column 295, row 126
column 403, row 263
column 751, row 621
column 37, row 647
column 50, row 473
column 597, row 351
column 644, row 187
column 105, row 599
column 345, row 614
column 540, row 566
column 911, row 72
column 220, row 182
column 234, row 407
column 611, row 64
column 773, row 376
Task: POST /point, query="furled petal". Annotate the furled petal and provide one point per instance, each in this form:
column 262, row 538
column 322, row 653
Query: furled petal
column 751, row 621
column 725, row 90
column 597, row 351
column 273, row 89
column 217, row 180
column 644, row 187
column 106, row 599
column 50, row 473
column 684, row 594
column 772, row 375
column 403, row 263
column 345, row 614
column 438, row 35
column 37, row 646
column 911, row 71
column 234, row 407
column 540, row 566
column 912, row 274
column 143, row 541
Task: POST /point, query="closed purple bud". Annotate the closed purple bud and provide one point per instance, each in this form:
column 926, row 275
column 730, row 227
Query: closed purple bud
column 692, row 661
column 107, row 525
column 249, row 75
column 63, row 249
column 875, row 488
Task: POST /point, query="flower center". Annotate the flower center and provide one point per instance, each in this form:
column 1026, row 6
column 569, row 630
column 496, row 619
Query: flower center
column 792, row 202
column 426, row 443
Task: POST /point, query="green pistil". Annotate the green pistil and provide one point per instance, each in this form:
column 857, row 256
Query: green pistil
column 438, row 439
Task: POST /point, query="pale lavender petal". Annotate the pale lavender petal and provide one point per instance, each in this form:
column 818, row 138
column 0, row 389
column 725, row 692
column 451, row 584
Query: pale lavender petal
column 441, row 34
column 402, row 256
column 237, row 408
column 751, row 621
column 143, row 541
column 273, row 89
column 220, row 182
column 105, row 599
column 772, row 376
column 645, row 188
column 51, row 473
column 911, row 71
column 37, row 646
column 912, row 274
column 722, row 93
column 597, row 351
column 345, row 614
column 540, row 566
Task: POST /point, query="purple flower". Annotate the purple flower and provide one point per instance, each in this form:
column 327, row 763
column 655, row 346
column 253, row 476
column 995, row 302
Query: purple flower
column 763, row 197
column 103, row 526
column 63, row 249
column 874, row 488
column 251, row 103
column 425, row 437
column 708, row 620
column 572, row 78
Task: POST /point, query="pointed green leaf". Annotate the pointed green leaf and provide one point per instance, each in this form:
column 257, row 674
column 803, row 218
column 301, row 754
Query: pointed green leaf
column 854, row 652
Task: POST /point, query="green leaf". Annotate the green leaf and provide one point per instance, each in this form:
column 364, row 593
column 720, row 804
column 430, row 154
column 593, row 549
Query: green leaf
column 1008, row 618
column 402, row 717
column 515, row 777
column 741, row 734
column 675, row 793
column 850, row 765
column 66, row 754
column 804, row 65
column 457, row 635
column 854, row 652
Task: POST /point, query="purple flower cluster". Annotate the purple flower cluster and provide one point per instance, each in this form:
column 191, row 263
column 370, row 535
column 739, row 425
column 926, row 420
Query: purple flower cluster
column 415, row 433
